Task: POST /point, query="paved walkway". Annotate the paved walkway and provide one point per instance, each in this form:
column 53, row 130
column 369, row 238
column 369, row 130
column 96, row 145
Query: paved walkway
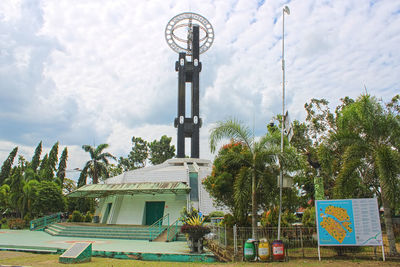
column 40, row 239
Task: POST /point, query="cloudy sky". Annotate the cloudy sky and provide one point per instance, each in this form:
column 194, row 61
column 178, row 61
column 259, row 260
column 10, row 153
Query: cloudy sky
column 100, row 71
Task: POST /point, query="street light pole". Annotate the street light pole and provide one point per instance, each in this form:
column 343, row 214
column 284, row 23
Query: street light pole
column 287, row 10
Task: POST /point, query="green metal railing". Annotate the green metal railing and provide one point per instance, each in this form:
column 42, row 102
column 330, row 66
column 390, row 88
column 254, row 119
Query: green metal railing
column 172, row 231
column 41, row 223
column 157, row 227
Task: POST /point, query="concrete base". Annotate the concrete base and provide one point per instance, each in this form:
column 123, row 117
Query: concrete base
column 40, row 242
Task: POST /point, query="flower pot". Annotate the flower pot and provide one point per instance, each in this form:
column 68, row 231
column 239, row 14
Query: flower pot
column 195, row 245
column 196, row 235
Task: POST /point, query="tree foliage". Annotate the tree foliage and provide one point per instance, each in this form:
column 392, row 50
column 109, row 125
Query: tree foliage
column 253, row 176
column 7, row 164
column 97, row 166
column 62, row 166
column 36, row 157
column 161, row 150
column 137, row 156
column 369, row 132
column 49, row 198
column 156, row 152
column 20, row 189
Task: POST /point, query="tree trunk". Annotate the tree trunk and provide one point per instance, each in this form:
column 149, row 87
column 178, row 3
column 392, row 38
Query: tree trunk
column 95, row 178
column 253, row 204
column 387, row 214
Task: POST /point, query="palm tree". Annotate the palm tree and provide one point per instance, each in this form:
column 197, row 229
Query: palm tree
column 96, row 167
column 264, row 153
column 370, row 135
column 4, row 196
column 29, row 195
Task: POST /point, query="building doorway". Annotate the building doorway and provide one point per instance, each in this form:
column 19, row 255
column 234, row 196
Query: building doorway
column 154, row 211
column 107, row 213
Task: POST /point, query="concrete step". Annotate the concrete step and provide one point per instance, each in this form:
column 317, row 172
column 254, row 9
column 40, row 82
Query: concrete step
column 56, row 226
column 130, row 232
column 146, row 235
column 105, row 236
column 110, row 230
column 51, row 231
column 116, row 230
column 94, row 231
column 181, row 237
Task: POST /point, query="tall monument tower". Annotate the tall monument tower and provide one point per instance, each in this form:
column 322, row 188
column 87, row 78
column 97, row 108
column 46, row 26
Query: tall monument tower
column 190, row 35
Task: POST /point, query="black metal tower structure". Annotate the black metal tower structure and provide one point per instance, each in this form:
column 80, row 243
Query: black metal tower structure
column 189, row 125
column 188, row 72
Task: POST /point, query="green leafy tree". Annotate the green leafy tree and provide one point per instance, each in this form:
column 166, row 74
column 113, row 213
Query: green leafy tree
column 36, row 157
column 82, row 178
column 62, row 166
column 4, row 197
column 51, row 163
column 115, row 170
column 321, row 158
column 97, row 166
column 69, row 186
column 16, row 182
column 137, row 156
column 49, row 198
column 308, row 219
column 370, row 135
column 260, row 161
column 270, row 218
column 43, row 170
column 229, row 162
column 7, row 164
column 161, row 150
column 29, row 196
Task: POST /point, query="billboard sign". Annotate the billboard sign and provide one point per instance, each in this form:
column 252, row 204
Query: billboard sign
column 348, row 222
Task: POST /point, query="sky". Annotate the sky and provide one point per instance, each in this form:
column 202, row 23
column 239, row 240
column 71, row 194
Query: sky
column 100, row 71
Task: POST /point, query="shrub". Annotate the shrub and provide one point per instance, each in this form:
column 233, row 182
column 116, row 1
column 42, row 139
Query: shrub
column 77, row 216
column 3, row 221
column 28, row 217
column 216, row 213
column 309, row 217
column 396, row 230
column 88, row 217
column 229, row 220
column 196, row 231
column 186, row 214
column 16, row 224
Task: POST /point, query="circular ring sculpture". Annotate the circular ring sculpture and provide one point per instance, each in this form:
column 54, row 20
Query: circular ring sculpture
column 175, row 33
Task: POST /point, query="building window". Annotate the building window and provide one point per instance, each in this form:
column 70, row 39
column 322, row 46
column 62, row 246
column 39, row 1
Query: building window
column 194, row 185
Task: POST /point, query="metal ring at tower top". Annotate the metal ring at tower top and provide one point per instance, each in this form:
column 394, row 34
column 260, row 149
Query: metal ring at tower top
column 175, row 34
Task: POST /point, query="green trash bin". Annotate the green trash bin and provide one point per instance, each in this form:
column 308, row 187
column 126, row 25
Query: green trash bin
column 249, row 250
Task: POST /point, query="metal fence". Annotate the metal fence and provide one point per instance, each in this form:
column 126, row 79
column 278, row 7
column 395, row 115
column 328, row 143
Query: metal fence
column 300, row 242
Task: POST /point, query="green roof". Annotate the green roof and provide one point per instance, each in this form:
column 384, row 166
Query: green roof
column 103, row 190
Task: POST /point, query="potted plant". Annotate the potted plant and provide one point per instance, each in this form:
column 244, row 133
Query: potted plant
column 195, row 230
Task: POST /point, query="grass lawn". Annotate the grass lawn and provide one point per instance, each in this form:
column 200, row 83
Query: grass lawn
column 31, row 259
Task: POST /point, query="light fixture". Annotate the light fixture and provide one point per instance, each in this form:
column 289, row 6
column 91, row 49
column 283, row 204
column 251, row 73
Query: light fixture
column 286, row 9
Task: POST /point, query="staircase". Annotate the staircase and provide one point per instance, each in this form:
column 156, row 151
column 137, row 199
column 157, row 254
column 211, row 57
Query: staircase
column 101, row 231
column 180, row 237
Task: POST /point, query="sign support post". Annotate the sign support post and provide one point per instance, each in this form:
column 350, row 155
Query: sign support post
column 319, row 252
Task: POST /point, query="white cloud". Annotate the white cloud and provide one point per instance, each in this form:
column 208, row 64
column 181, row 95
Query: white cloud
column 84, row 71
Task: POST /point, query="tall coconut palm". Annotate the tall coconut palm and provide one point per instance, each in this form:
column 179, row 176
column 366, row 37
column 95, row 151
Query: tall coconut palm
column 96, row 167
column 370, row 134
column 263, row 153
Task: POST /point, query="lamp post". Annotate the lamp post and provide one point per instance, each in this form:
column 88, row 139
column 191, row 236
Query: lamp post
column 284, row 10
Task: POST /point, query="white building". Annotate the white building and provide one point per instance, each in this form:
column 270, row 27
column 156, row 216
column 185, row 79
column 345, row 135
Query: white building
column 145, row 195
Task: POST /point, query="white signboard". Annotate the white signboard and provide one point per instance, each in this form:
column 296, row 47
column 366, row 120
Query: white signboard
column 348, row 222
